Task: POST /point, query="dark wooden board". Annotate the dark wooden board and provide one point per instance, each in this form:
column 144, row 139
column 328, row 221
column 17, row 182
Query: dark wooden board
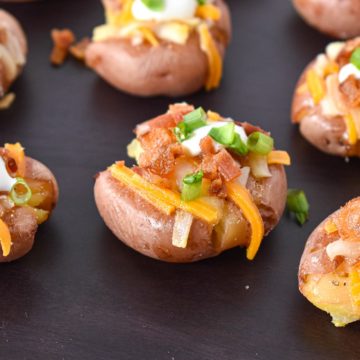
column 81, row 294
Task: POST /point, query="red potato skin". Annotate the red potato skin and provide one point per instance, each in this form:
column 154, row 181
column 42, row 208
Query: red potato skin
column 145, row 229
column 22, row 221
column 324, row 132
column 9, row 22
column 168, row 69
column 337, row 18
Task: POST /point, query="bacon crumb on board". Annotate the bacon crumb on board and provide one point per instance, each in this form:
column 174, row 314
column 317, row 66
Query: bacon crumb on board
column 78, row 50
column 62, row 40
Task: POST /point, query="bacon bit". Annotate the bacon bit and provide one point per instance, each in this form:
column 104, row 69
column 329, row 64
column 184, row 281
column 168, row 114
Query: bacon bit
column 182, row 108
column 209, row 167
column 156, row 138
column 207, row 146
column 78, row 50
column 152, row 178
column 168, row 120
column 249, row 129
column 62, row 40
column 351, row 89
column 345, row 54
column 227, row 166
column 217, row 187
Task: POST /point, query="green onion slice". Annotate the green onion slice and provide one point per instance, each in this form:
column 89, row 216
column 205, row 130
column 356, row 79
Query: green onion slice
column 155, row 5
column 260, row 143
column 201, row 2
column 355, row 58
column 20, row 193
column 192, row 121
column 297, row 204
column 238, row 146
column 192, row 186
column 224, row 135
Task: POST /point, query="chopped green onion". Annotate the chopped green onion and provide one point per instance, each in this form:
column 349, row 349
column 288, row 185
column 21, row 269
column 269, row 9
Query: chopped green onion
column 20, row 193
column 201, row 2
column 223, row 135
column 192, row 186
column 155, row 5
column 238, row 146
column 192, row 121
column 355, row 58
column 298, row 205
column 260, row 143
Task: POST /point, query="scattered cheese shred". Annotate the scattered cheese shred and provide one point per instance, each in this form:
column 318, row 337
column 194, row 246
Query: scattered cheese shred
column 16, row 151
column 122, row 17
column 208, row 12
column 215, row 61
column 330, row 227
column 148, row 35
column 351, row 129
column 243, row 199
column 5, row 238
column 279, row 158
column 355, row 285
column 316, row 86
column 163, row 199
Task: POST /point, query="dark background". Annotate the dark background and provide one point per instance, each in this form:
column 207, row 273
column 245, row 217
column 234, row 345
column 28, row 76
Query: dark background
column 81, row 294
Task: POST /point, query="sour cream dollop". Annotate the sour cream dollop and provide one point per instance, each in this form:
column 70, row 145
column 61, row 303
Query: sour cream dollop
column 6, row 181
column 192, row 145
column 174, row 9
column 348, row 70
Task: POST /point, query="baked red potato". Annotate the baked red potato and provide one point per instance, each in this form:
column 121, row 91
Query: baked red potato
column 191, row 197
column 326, row 103
column 28, row 194
column 166, row 52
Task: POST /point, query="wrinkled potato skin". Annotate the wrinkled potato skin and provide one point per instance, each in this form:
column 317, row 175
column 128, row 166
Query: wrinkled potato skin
column 324, row 132
column 147, row 230
column 337, row 18
column 168, row 69
column 21, row 220
column 10, row 22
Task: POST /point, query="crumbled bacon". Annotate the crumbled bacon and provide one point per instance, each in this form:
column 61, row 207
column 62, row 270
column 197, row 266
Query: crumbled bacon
column 207, row 145
column 182, row 108
column 351, row 89
column 62, row 40
column 209, row 167
column 152, row 178
column 227, row 166
column 344, row 57
column 78, row 50
column 156, row 138
column 217, row 188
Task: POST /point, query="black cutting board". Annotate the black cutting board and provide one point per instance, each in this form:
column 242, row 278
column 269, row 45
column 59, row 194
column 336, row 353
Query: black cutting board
column 81, row 294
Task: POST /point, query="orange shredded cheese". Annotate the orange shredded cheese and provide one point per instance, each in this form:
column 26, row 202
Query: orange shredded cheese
column 163, row 199
column 213, row 116
column 208, row 12
column 279, row 158
column 331, row 68
column 330, row 227
column 5, row 238
column 355, row 285
column 316, row 85
column 16, row 151
column 208, row 45
column 122, row 17
column 243, row 199
column 351, row 129
column 149, row 36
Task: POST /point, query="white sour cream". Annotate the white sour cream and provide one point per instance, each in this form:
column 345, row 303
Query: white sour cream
column 348, row 70
column 174, row 9
column 192, row 145
column 6, row 181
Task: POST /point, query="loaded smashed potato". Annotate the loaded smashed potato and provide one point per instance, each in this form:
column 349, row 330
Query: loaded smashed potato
column 202, row 184
column 28, row 194
column 13, row 50
column 326, row 103
column 163, row 47
column 329, row 274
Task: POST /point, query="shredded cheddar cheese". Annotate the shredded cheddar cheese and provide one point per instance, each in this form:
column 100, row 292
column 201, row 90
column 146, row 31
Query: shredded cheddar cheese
column 330, row 227
column 208, row 12
column 279, row 158
column 213, row 116
column 16, row 151
column 355, row 285
column 5, row 238
column 351, row 129
column 316, row 86
column 163, row 199
column 331, row 68
column 243, row 199
column 122, row 17
column 208, row 45
column 149, row 36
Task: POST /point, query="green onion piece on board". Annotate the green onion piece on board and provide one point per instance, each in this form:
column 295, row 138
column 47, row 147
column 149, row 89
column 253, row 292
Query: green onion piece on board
column 20, row 193
column 155, row 5
column 224, row 135
column 260, row 143
column 355, row 58
column 192, row 186
column 297, row 204
column 238, row 146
